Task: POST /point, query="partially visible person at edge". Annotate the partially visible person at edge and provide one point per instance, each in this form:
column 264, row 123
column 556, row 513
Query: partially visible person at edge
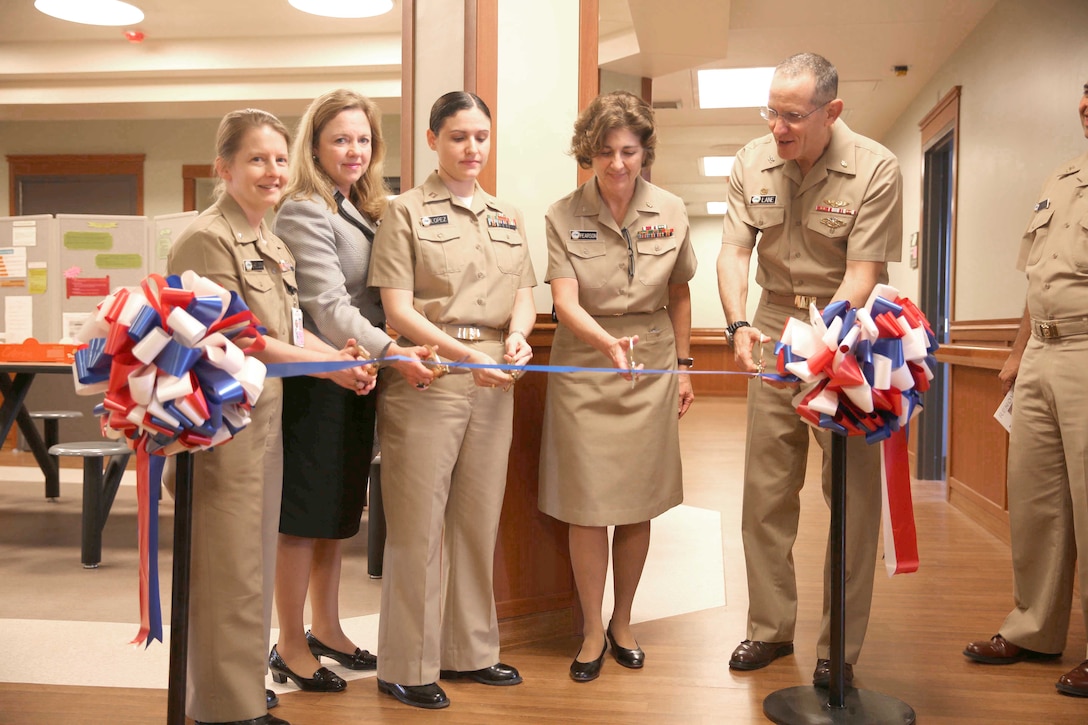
column 236, row 486
column 454, row 270
column 328, row 218
column 1048, row 446
column 825, row 205
column 619, row 262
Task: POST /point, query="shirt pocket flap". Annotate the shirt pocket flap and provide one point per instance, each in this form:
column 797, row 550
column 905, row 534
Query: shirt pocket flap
column 585, row 250
column 765, row 217
column 508, row 236
column 258, row 280
column 1041, row 219
column 656, row 246
column 439, row 234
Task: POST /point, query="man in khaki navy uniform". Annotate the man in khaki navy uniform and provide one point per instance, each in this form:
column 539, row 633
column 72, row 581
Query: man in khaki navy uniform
column 826, row 208
column 445, row 446
column 1048, row 448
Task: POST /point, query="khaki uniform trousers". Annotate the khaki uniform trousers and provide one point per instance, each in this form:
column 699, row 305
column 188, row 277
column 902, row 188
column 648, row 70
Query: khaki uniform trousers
column 444, row 458
column 776, row 452
column 236, row 513
column 1048, row 492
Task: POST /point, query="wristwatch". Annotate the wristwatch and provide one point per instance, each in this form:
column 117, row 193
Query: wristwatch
column 686, row 361
column 732, row 329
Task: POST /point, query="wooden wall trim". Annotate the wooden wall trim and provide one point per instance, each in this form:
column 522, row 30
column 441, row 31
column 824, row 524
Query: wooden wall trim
column 944, row 120
column 589, row 83
column 189, row 174
column 407, row 94
column 997, row 332
column 75, row 165
column 973, row 356
column 482, row 73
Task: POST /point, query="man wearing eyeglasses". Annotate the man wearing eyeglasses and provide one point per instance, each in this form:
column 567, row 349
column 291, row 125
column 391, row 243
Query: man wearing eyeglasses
column 1048, row 444
column 822, row 207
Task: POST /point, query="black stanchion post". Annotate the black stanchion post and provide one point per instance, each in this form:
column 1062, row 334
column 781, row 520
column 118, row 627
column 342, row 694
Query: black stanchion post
column 179, row 600
column 809, row 705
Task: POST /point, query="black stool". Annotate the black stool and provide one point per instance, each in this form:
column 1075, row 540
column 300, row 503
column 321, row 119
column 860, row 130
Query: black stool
column 51, row 423
column 99, row 488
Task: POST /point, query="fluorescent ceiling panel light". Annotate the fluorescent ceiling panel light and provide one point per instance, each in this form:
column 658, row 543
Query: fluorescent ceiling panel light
column 718, row 165
column 91, row 12
column 343, row 8
column 717, row 208
column 734, row 87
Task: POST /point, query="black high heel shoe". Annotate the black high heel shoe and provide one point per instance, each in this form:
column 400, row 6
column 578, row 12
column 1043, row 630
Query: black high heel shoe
column 587, row 671
column 630, row 658
column 360, row 660
column 323, row 680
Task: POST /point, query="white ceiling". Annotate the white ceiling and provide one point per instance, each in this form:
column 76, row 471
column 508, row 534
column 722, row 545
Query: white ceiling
column 201, row 58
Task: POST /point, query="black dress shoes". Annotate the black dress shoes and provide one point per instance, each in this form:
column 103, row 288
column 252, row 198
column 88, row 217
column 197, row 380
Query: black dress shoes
column 429, row 696
column 821, row 676
column 323, row 680
column 262, row 720
column 631, row 658
column 360, row 660
column 753, row 654
column 271, row 699
column 496, row 674
column 587, row 671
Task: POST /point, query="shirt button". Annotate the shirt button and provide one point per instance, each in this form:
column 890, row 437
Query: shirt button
column 1046, row 286
column 1053, row 256
column 478, row 248
column 479, row 275
column 796, row 255
column 585, row 251
column 1067, row 225
column 440, row 235
column 621, row 265
column 480, row 301
column 657, row 247
column 797, row 223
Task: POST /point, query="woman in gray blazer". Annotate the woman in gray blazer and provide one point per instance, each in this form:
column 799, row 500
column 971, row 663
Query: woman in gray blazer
column 328, row 217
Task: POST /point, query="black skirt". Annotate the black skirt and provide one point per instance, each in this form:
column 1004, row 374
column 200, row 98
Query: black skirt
column 328, row 441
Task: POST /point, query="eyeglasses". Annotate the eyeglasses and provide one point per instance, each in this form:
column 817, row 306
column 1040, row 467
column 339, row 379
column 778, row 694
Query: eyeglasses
column 630, row 255
column 791, row 119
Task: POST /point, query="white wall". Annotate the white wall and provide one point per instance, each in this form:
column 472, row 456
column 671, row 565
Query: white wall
column 1022, row 71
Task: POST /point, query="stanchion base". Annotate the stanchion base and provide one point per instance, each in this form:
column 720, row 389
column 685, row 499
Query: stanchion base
column 808, row 706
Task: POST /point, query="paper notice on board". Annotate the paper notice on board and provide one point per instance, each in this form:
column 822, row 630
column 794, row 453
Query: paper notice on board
column 71, row 323
column 1003, row 414
column 12, row 262
column 37, row 278
column 24, row 234
column 18, row 318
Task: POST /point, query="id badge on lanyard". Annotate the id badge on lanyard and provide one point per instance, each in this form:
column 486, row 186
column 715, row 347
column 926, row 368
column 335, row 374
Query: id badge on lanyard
column 297, row 331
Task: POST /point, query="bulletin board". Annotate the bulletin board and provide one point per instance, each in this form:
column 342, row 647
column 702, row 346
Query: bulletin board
column 97, row 254
column 162, row 232
column 28, row 279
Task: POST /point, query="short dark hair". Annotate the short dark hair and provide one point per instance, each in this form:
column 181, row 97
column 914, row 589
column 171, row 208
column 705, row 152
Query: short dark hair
column 608, row 112
column 827, row 78
column 451, row 103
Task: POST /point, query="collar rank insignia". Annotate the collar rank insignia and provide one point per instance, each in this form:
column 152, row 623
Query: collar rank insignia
column 657, row 231
column 1044, row 204
column 501, row 222
column 832, row 223
column 426, row 221
column 590, row 234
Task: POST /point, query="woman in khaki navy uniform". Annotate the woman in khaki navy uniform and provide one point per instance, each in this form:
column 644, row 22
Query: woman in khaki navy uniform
column 611, row 445
column 453, row 266
column 236, row 486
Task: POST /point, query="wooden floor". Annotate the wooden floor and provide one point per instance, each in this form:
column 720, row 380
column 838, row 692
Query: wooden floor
column 919, row 626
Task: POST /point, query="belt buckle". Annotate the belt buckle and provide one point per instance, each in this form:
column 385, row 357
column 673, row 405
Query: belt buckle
column 802, row 302
column 1047, row 330
column 468, row 333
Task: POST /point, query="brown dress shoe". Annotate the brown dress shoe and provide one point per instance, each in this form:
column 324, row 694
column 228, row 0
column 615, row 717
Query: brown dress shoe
column 821, row 676
column 999, row 651
column 752, row 654
column 1075, row 681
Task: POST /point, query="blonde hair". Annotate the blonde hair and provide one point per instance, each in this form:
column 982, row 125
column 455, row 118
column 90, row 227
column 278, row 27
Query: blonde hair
column 309, row 180
column 608, row 112
column 233, row 128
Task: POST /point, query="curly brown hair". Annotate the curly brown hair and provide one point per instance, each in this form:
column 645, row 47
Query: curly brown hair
column 608, row 112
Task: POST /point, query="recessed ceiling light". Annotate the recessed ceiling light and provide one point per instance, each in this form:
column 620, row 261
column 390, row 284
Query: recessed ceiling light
column 92, row 12
column 718, row 165
column 734, row 87
column 343, row 8
column 717, row 208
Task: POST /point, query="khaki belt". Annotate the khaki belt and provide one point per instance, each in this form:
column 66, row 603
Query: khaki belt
column 472, row 333
column 1053, row 329
column 800, row 302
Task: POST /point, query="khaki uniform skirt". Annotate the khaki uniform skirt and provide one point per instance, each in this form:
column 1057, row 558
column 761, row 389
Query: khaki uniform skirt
column 610, row 453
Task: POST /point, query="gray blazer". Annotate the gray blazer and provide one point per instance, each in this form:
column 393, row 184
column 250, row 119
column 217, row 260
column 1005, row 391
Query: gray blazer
column 332, row 258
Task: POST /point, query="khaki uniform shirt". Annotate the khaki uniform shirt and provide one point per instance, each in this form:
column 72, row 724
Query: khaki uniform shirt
column 221, row 245
column 464, row 265
column 848, row 208
column 585, row 243
column 1054, row 249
